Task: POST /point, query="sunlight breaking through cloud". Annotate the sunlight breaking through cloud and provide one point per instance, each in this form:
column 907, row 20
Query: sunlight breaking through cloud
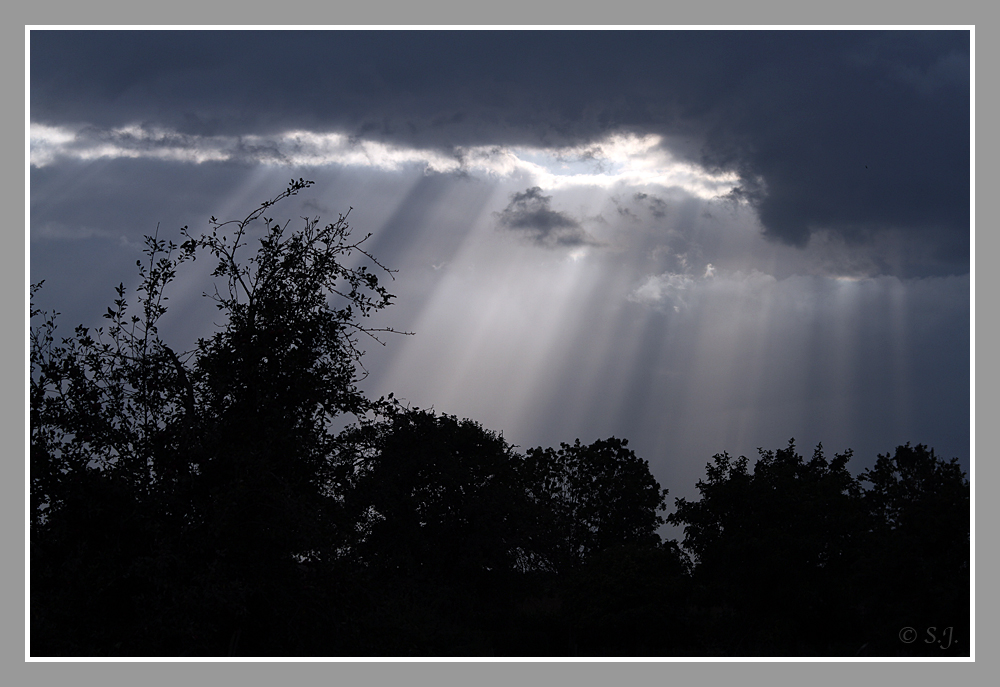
column 625, row 158
column 617, row 159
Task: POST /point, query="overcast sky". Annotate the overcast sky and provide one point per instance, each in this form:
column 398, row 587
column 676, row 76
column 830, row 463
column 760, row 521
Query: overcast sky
column 700, row 241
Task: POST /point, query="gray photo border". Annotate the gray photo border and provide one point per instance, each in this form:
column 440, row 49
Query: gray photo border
column 440, row 13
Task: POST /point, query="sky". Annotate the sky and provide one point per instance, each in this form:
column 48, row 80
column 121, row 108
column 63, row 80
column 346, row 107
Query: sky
column 701, row 241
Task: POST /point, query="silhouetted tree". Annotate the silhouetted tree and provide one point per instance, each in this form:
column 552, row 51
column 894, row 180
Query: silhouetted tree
column 601, row 495
column 915, row 572
column 797, row 558
column 480, row 548
column 187, row 493
column 442, row 525
column 437, row 494
column 771, row 547
column 270, row 384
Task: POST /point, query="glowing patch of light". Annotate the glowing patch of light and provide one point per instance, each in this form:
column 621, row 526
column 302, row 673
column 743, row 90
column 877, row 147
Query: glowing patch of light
column 622, row 158
column 617, row 159
column 47, row 142
column 316, row 149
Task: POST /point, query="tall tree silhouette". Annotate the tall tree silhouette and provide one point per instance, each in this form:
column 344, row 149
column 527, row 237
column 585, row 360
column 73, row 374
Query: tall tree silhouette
column 202, row 480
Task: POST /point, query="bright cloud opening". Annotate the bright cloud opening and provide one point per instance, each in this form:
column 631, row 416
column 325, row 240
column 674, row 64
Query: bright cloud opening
column 617, row 159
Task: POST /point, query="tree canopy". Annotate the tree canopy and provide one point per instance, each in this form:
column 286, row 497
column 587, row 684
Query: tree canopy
column 795, row 543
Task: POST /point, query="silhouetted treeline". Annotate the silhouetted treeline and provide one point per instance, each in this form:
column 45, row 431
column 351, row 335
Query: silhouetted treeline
column 202, row 504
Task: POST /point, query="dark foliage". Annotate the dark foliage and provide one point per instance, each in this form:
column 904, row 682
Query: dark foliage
column 915, row 568
column 438, row 496
column 200, row 483
column 798, row 558
column 206, row 502
column 599, row 496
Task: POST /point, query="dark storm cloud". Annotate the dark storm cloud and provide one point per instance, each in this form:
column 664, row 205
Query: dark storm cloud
column 854, row 133
column 529, row 212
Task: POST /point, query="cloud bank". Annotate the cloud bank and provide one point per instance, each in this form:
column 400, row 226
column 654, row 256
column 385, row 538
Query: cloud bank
column 853, row 133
